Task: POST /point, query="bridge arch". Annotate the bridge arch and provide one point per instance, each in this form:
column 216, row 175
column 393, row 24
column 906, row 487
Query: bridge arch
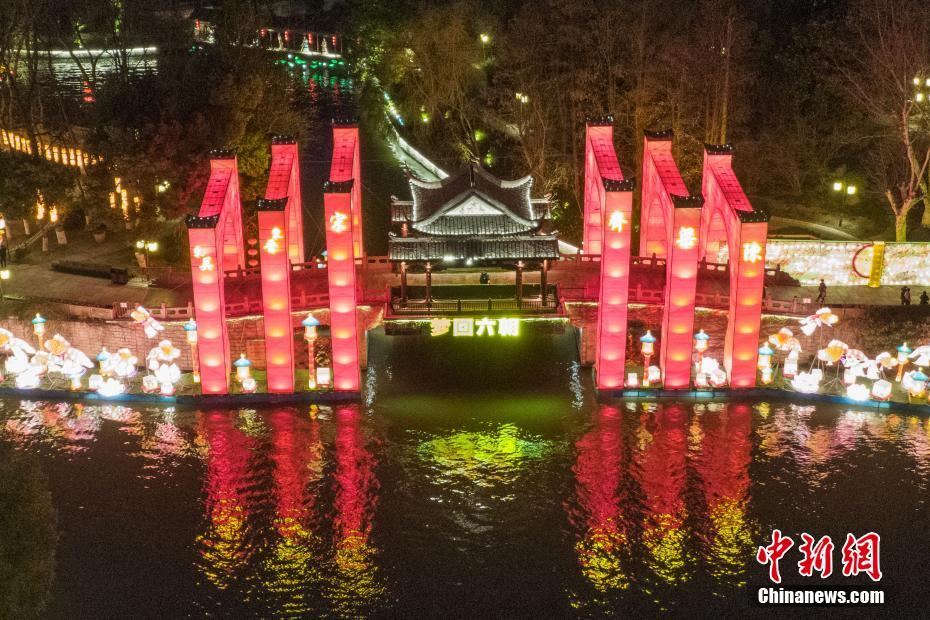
column 669, row 228
column 729, row 218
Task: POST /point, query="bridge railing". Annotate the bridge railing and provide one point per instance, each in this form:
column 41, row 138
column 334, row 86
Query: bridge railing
column 474, row 306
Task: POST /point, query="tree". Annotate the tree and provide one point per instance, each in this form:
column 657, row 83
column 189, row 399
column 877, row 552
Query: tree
column 889, row 45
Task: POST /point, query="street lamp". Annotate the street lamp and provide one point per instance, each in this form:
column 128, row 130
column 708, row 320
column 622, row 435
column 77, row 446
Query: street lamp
column 146, row 248
column 190, row 332
column 701, row 340
column 845, row 190
column 765, row 363
column 4, row 275
column 485, row 39
column 903, row 352
column 648, row 347
column 310, row 324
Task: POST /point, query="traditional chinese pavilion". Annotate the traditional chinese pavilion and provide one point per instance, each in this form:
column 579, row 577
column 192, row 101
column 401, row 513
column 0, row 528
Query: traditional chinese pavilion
column 475, row 220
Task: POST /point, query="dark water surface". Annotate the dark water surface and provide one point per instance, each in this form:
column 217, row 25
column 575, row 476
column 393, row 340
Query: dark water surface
column 478, row 479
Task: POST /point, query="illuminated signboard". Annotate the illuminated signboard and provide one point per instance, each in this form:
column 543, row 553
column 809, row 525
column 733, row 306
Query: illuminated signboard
column 469, row 327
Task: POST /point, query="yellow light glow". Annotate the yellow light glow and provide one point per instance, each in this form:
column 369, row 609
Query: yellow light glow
column 687, row 238
column 617, row 221
column 337, row 222
column 752, row 252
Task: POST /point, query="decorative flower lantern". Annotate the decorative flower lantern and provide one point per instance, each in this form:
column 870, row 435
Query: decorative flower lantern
column 38, row 328
column 918, row 385
column 791, row 365
column 903, row 352
column 243, row 368
column 310, row 324
column 190, row 332
column 881, row 390
column 857, row 391
column 807, row 383
column 648, row 343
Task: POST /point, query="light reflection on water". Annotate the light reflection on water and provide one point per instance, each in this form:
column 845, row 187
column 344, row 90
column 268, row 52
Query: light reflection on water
column 495, row 505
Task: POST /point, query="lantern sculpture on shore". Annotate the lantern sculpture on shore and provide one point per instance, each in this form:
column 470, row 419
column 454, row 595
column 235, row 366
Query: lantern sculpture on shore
column 244, row 374
column 648, row 343
column 881, row 390
column 765, row 363
column 918, row 384
column 903, row 352
column 310, row 324
column 700, row 345
column 38, row 328
column 165, row 372
column 857, row 391
column 190, row 332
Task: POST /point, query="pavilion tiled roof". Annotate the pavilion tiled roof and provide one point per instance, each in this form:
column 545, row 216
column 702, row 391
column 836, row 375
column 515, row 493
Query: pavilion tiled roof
column 488, row 247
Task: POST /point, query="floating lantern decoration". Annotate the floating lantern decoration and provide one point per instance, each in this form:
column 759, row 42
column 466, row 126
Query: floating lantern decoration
column 654, row 374
column 903, row 352
column 243, row 368
column 807, row 382
column 920, row 356
column 111, row 387
column 161, row 361
column 324, row 377
column 249, row 385
column 918, row 384
column 144, row 318
column 881, row 390
column 190, row 332
column 632, row 379
column 857, row 391
column 310, row 324
column 149, row 384
column 833, row 352
column 38, row 328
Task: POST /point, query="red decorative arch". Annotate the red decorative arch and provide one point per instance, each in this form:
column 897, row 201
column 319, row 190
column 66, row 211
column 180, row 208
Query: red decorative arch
column 215, row 237
column 729, row 218
column 669, row 228
column 608, row 219
column 600, row 163
column 343, row 221
column 280, row 237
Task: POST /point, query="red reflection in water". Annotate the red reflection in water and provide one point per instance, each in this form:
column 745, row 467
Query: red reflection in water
column 598, row 474
column 227, row 474
column 297, row 453
column 662, row 480
column 354, row 480
column 723, row 466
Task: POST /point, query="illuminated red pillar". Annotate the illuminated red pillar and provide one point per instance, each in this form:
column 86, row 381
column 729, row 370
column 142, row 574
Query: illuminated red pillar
column 209, row 303
column 337, row 209
column 680, row 287
column 600, row 161
column 746, row 232
column 615, row 285
column 747, row 282
column 276, row 294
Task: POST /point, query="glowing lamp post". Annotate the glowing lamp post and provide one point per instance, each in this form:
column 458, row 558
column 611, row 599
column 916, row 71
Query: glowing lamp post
column 102, row 359
column 701, row 340
column 38, row 328
column 765, row 363
column 903, row 352
column 145, row 248
column 310, row 324
column 243, row 368
column 4, row 276
column 190, row 332
column 648, row 343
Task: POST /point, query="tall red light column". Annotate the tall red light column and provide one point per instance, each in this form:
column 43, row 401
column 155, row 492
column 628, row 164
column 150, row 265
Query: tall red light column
column 284, row 182
column 615, row 284
column 209, row 304
column 273, row 241
column 337, row 207
column 680, row 288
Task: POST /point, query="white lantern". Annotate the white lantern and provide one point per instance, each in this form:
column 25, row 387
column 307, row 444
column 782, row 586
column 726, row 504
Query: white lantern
column 881, row 390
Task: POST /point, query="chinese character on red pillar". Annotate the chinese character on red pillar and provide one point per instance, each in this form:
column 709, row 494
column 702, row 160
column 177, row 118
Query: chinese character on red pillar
column 817, row 557
column 773, row 553
column 861, row 555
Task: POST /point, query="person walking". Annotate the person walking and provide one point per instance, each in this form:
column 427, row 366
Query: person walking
column 907, row 296
column 822, row 293
column 924, row 299
column 903, row 295
column 3, row 250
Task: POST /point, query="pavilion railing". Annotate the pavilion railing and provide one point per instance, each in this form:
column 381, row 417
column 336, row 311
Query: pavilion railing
column 474, row 306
